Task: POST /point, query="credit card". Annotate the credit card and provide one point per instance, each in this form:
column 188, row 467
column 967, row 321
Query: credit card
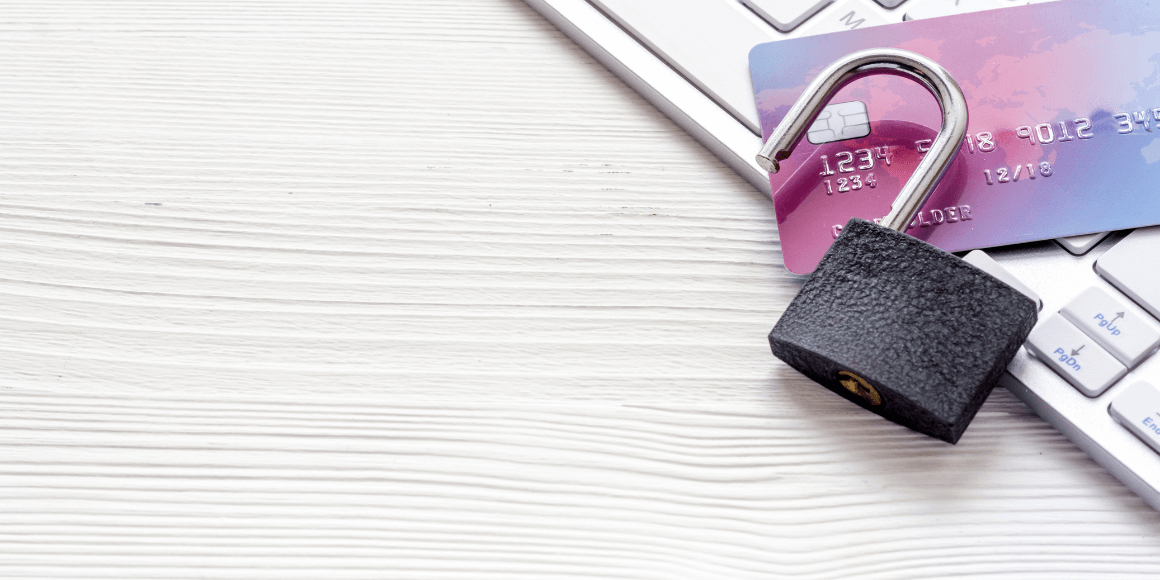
column 1063, row 139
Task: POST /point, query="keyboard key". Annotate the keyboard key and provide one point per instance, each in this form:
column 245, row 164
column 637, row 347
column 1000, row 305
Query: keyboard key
column 1138, row 409
column 1131, row 266
column 890, row 3
column 846, row 15
column 982, row 261
column 1073, row 355
column 707, row 42
column 786, row 15
column 1079, row 245
column 1128, row 336
column 919, row 9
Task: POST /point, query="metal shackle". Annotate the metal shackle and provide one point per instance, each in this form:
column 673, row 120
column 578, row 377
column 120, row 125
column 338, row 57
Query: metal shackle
column 870, row 62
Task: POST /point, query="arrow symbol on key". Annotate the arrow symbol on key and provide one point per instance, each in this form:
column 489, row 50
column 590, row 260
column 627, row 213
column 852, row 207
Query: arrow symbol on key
column 1119, row 315
column 1075, row 351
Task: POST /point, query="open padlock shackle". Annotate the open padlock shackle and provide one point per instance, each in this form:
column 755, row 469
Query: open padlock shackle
column 881, row 61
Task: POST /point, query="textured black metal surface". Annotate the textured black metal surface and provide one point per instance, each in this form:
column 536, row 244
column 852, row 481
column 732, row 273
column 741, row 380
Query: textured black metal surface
column 930, row 332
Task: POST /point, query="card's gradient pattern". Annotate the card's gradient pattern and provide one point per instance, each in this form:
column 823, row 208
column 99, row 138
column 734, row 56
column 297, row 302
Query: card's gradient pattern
column 1024, row 71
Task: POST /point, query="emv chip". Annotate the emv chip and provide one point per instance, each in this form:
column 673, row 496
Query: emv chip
column 840, row 121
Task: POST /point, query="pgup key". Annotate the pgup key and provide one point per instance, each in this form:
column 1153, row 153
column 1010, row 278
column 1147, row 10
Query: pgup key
column 1127, row 335
column 890, row 322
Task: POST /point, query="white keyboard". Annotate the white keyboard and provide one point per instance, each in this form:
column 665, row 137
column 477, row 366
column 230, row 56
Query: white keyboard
column 708, row 41
column 1100, row 336
column 1089, row 366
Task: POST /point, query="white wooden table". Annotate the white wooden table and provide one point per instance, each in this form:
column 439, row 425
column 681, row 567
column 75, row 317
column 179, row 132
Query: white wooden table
column 417, row 290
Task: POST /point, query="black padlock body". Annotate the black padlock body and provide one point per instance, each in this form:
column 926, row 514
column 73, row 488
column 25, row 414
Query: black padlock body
column 928, row 334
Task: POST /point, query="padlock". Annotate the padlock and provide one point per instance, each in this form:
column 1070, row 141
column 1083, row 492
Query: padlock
column 890, row 322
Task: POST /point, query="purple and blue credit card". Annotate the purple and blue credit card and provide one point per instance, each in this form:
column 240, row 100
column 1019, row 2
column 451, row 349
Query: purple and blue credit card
column 1064, row 133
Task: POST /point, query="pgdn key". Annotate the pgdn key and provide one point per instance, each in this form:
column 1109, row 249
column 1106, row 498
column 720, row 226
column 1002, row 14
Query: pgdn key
column 1075, row 356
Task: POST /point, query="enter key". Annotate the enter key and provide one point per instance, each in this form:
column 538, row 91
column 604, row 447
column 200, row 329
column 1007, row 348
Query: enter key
column 1138, row 410
column 1126, row 333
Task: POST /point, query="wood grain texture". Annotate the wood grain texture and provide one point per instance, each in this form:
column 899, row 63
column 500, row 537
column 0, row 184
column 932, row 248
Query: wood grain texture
column 418, row 290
